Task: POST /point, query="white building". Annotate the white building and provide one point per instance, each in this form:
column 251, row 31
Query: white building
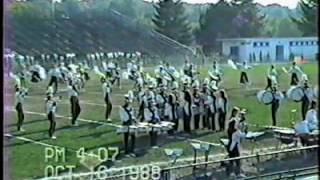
column 270, row 49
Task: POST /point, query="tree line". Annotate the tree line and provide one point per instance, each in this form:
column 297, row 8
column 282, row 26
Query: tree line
column 41, row 26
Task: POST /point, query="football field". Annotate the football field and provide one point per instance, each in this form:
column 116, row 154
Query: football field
column 27, row 149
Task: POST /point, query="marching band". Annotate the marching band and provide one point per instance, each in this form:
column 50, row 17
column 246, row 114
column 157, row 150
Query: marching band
column 179, row 97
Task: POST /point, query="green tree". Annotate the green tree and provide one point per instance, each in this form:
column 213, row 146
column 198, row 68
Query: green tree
column 248, row 22
column 308, row 24
column 169, row 20
column 215, row 23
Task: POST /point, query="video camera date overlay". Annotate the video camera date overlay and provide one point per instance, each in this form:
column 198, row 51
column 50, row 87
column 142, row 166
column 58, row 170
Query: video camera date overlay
column 58, row 155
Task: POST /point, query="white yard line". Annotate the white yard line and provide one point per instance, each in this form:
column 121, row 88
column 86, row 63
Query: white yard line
column 80, row 119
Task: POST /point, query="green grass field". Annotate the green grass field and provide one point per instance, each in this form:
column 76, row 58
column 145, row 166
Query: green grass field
column 27, row 159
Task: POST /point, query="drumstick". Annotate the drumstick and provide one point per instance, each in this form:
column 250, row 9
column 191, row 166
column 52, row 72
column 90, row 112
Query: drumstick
column 284, row 70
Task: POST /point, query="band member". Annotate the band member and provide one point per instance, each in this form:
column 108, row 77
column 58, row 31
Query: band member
column 196, row 106
column 22, row 78
column 295, row 71
column 277, row 97
column 141, row 101
column 234, row 151
column 35, row 73
column 272, row 76
column 75, row 104
column 55, row 75
column 148, row 96
column 244, row 76
column 213, row 108
column 222, row 107
column 161, row 99
column 187, row 111
column 215, row 73
column 106, row 89
column 179, row 104
column 306, row 99
column 151, row 115
column 232, row 122
column 241, row 124
column 312, row 118
column 116, row 74
column 127, row 116
column 303, row 131
column 171, row 112
column 19, row 98
column 205, row 93
column 51, row 106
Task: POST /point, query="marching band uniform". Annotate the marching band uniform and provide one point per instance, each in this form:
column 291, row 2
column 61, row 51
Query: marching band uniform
column 116, row 74
column 243, row 76
column 161, row 100
column 306, row 99
column 141, row 101
column 55, row 75
column 75, row 105
column 215, row 71
column 234, row 149
column 212, row 109
column 171, row 111
column 205, row 105
column 151, row 115
column 277, row 97
column 196, row 107
column 295, row 71
column 19, row 98
column 222, row 105
column 51, row 106
column 272, row 73
column 302, row 130
column 179, row 106
column 106, row 89
column 312, row 118
column 35, row 73
column 187, row 111
column 127, row 117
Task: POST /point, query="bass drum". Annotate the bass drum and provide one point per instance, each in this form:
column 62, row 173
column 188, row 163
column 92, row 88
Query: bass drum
column 295, row 93
column 265, row 97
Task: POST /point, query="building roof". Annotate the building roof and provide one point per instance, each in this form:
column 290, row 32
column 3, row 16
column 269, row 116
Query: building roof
column 268, row 38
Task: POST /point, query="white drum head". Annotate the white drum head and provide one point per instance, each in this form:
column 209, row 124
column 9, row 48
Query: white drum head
column 295, row 93
column 265, row 96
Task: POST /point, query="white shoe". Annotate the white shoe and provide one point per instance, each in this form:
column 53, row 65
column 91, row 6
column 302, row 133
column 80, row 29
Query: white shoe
column 155, row 147
column 109, row 120
column 241, row 175
column 127, row 155
column 132, row 155
column 232, row 175
column 22, row 130
column 53, row 137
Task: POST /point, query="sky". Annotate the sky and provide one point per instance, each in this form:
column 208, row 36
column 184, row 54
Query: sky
column 289, row 3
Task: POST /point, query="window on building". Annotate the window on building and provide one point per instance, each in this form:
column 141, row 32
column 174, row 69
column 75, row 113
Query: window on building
column 297, row 43
column 255, row 44
column 301, row 43
column 267, row 43
column 307, row 43
column 291, row 43
column 261, row 44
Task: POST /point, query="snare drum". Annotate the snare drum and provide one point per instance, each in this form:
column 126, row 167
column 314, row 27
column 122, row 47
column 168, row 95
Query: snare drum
column 295, row 93
column 265, row 96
